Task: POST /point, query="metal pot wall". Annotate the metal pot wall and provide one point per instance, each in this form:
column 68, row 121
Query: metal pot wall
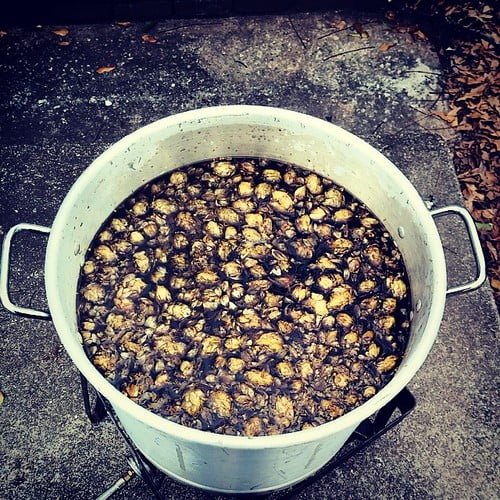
column 235, row 464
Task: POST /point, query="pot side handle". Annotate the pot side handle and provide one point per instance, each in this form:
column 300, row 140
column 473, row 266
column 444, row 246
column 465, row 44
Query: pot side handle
column 475, row 244
column 4, row 272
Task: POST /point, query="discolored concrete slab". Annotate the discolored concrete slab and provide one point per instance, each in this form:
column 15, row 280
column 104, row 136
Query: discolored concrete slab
column 58, row 114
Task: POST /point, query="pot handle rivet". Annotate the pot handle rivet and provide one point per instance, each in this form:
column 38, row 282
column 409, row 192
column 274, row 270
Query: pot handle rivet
column 475, row 244
column 4, row 272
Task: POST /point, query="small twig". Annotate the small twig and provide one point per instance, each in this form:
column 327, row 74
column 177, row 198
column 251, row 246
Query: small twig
column 297, row 33
column 240, row 62
column 348, row 52
column 182, row 26
column 377, row 127
column 333, row 32
column 424, row 72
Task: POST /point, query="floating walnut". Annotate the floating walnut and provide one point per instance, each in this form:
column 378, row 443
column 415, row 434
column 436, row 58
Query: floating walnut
column 244, row 297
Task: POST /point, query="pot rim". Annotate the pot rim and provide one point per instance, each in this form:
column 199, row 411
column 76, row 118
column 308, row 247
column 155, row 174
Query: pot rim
column 404, row 373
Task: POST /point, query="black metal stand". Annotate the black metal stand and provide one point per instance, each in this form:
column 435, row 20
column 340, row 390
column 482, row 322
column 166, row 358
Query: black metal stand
column 366, row 433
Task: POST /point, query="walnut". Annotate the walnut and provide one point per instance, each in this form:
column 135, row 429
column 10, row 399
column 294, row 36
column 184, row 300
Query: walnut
column 165, row 207
column 304, row 224
column 263, row 190
column 136, row 238
column 223, row 168
column 314, row 184
column 210, row 344
column 284, row 411
column 374, row 255
column 340, row 246
column 271, row 341
column 253, row 426
column 235, row 365
column 245, row 188
column 214, row 228
column 285, row 369
column 140, row 208
column 373, row 350
column 178, row 178
column 207, row 277
column 271, row 175
column 387, row 364
column 141, row 261
column 94, row 292
column 254, row 220
column 220, row 401
column 281, row 201
column 243, row 205
column 342, row 215
column 179, row 311
column 228, row 215
column 333, row 198
column 249, row 319
column 192, row 401
column 105, row 254
column 186, row 221
column 317, row 214
column 396, row 286
column 340, row 297
column 259, row 377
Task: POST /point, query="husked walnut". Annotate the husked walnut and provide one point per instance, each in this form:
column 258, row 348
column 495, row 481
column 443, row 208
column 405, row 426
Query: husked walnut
column 94, row 292
column 386, row 364
column 253, row 426
column 193, row 400
column 272, row 341
column 281, row 201
column 259, row 377
column 223, row 168
column 221, row 403
column 163, row 206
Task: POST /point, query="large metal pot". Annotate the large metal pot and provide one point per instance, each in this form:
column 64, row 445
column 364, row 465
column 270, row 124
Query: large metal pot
column 230, row 463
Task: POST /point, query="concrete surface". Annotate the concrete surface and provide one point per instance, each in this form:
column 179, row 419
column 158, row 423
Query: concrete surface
column 57, row 114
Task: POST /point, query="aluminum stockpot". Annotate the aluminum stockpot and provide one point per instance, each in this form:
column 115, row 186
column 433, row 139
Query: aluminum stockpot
column 237, row 464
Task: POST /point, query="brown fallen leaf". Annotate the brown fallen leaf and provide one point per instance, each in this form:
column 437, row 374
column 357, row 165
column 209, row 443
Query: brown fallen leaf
column 124, row 24
column 149, row 38
column 105, row 69
column 384, row 47
column 340, row 24
column 64, row 43
column 419, row 35
column 2, row 34
column 2, row 398
column 61, row 31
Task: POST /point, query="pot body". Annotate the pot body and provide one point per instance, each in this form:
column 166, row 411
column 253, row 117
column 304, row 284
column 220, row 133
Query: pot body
column 235, row 464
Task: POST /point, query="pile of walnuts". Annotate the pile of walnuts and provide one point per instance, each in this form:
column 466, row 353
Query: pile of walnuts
column 244, row 297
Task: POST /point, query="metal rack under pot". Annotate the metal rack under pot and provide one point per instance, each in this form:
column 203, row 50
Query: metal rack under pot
column 366, row 433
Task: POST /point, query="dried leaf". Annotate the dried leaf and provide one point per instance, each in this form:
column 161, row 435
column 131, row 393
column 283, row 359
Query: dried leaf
column 390, row 15
column 2, row 34
column 64, row 43
column 149, row 38
column 104, row 69
column 384, row 47
column 2, row 398
column 124, row 24
column 495, row 284
column 340, row 25
column 61, row 31
column 419, row 35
